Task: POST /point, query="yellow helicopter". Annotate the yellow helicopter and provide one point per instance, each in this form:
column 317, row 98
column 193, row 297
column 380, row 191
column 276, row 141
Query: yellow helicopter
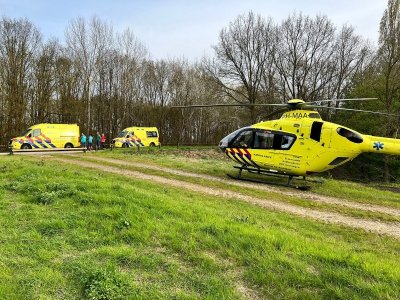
column 298, row 144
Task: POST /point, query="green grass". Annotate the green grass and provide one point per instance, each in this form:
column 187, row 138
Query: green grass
column 352, row 191
column 76, row 233
column 213, row 162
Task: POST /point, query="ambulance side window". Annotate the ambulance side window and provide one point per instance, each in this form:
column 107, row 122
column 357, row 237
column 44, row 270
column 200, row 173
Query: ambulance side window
column 35, row 132
column 151, row 134
column 130, row 134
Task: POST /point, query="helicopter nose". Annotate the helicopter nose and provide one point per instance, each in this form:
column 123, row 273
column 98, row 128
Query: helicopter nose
column 223, row 144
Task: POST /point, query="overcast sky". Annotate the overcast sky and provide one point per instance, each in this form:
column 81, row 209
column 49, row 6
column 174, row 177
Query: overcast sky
column 186, row 28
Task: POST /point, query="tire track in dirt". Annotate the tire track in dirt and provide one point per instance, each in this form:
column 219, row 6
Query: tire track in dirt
column 291, row 193
column 392, row 229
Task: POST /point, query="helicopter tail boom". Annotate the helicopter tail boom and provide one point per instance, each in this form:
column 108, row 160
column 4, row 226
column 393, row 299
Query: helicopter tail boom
column 382, row 145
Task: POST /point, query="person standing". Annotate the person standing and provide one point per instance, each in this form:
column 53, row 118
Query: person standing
column 90, row 143
column 83, row 140
column 103, row 141
column 98, row 139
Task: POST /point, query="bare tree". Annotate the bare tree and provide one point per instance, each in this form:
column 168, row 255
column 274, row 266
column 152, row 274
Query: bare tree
column 243, row 56
column 131, row 53
column 389, row 53
column 19, row 43
column 42, row 92
column 302, row 57
column 351, row 56
column 87, row 44
column 388, row 60
column 68, row 91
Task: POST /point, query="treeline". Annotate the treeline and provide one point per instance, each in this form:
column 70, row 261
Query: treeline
column 105, row 80
column 100, row 79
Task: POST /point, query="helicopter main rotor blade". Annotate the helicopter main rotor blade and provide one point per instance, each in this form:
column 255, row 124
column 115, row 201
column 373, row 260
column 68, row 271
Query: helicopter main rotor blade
column 336, row 100
column 352, row 109
column 221, row 105
column 295, row 105
column 354, row 99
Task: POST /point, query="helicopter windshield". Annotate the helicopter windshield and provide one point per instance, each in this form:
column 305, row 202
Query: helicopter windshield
column 226, row 141
column 243, row 140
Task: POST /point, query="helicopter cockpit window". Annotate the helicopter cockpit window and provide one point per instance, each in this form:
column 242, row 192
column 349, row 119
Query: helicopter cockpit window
column 287, row 141
column 263, row 140
column 227, row 141
column 272, row 140
column 350, row 135
column 243, row 140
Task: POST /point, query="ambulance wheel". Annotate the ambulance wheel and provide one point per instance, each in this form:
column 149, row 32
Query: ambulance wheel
column 69, row 145
column 26, row 146
column 125, row 145
column 152, row 145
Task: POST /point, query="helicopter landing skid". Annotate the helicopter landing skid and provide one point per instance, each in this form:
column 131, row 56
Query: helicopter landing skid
column 271, row 173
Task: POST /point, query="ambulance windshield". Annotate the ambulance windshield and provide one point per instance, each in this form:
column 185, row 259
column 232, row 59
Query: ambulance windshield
column 26, row 132
column 122, row 134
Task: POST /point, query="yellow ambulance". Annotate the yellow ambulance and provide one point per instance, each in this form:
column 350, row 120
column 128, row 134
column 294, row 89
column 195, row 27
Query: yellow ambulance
column 47, row 136
column 137, row 136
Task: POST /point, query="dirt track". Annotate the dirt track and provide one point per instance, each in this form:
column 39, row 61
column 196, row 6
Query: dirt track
column 390, row 228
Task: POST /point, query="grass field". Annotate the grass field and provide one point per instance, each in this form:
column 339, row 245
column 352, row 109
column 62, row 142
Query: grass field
column 73, row 232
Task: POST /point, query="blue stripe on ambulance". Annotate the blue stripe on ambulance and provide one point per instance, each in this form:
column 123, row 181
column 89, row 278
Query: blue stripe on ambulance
column 50, row 143
column 41, row 144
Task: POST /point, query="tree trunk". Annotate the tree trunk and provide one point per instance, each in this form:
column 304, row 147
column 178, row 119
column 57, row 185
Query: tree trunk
column 387, row 171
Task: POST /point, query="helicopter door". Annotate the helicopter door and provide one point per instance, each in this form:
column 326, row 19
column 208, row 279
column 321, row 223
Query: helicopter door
column 263, row 140
column 316, row 129
column 263, row 148
column 321, row 134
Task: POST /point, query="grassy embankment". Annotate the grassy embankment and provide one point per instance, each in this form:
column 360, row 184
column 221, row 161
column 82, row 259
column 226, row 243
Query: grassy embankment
column 70, row 233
